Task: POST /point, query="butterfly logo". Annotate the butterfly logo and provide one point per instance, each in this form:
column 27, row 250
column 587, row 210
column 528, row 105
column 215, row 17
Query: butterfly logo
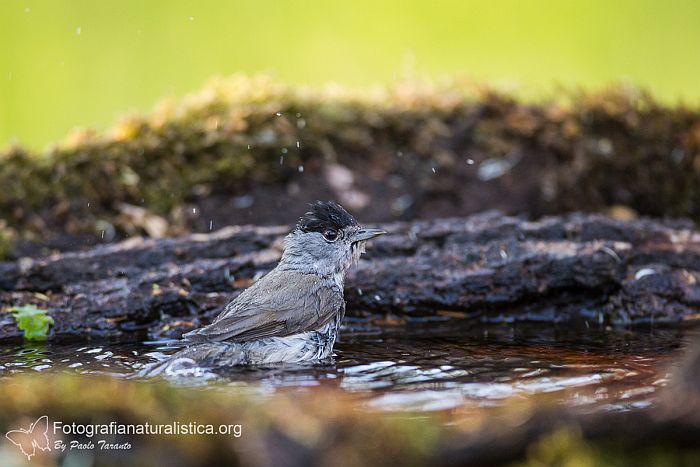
column 31, row 439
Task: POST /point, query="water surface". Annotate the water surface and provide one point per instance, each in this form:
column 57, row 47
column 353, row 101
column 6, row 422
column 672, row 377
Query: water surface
column 423, row 366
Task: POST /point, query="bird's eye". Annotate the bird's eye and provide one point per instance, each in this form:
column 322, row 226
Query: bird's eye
column 330, row 235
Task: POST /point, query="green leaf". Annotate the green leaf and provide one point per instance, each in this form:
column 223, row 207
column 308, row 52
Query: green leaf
column 33, row 321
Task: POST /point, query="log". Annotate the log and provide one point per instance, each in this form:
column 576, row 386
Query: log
column 488, row 266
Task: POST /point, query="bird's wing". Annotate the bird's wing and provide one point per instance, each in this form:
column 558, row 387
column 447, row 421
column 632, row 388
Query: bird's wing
column 279, row 304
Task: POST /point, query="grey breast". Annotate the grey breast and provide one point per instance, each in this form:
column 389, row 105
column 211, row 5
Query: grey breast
column 281, row 303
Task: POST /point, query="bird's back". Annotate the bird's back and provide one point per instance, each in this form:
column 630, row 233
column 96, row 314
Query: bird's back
column 281, row 303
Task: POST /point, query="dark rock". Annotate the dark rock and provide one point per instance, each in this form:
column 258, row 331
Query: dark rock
column 495, row 267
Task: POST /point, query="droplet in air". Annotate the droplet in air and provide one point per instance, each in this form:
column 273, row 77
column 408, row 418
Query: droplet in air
column 643, row 273
column 194, row 210
column 284, row 150
column 470, row 161
column 301, row 168
column 191, row 18
column 399, row 153
column 211, row 225
column 249, row 146
column 433, row 168
column 279, row 114
column 27, row 10
column 298, row 144
column 78, row 30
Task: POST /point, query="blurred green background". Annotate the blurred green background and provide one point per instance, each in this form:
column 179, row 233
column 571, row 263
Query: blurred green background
column 66, row 63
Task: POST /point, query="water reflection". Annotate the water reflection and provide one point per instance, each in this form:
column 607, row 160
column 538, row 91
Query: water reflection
column 428, row 366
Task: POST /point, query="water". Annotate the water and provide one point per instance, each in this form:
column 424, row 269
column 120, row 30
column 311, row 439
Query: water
column 424, row 366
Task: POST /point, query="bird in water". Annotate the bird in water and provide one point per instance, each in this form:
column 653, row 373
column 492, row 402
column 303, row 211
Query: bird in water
column 290, row 315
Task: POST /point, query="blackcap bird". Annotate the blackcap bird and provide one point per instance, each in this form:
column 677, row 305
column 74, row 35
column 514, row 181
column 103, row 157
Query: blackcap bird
column 292, row 314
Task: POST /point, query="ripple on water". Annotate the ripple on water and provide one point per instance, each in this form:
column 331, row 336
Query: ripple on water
column 429, row 366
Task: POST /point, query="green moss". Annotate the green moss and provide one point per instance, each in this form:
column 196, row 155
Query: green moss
column 566, row 447
column 316, row 424
column 6, row 241
column 614, row 147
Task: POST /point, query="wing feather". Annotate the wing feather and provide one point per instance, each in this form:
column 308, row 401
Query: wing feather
column 281, row 303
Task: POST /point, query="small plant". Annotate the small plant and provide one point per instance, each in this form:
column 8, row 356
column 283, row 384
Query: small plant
column 33, row 321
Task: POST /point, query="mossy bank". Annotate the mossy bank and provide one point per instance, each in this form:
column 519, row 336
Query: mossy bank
column 251, row 150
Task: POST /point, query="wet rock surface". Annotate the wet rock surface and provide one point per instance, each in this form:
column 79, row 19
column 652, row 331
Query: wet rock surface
column 489, row 267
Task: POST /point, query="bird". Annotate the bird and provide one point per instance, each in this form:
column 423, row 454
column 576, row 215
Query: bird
column 290, row 315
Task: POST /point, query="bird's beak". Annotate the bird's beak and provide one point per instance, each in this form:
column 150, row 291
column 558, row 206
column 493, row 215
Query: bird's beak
column 365, row 234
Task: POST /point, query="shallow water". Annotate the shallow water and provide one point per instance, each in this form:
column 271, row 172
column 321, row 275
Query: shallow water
column 424, row 366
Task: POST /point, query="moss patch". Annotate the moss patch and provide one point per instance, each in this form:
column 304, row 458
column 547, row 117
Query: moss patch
column 415, row 150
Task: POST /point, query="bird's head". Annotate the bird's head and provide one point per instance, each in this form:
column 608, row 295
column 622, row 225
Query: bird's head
column 327, row 240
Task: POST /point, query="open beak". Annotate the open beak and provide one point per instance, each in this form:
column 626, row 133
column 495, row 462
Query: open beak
column 365, row 234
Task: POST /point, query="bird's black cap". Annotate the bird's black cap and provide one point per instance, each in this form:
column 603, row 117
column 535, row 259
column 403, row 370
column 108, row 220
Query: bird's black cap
column 325, row 215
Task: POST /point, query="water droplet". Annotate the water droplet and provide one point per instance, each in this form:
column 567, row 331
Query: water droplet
column 433, row 168
column 27, row 10
column 279, row 114
column 284, row 151
column 78, row 30
column 249, row 146
column 191, row 18
column 211, row 225
column 194, row 210
column 470, row 161
column 298, row 144
column 643, row 273
column 301, row 168
column 399, row 153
